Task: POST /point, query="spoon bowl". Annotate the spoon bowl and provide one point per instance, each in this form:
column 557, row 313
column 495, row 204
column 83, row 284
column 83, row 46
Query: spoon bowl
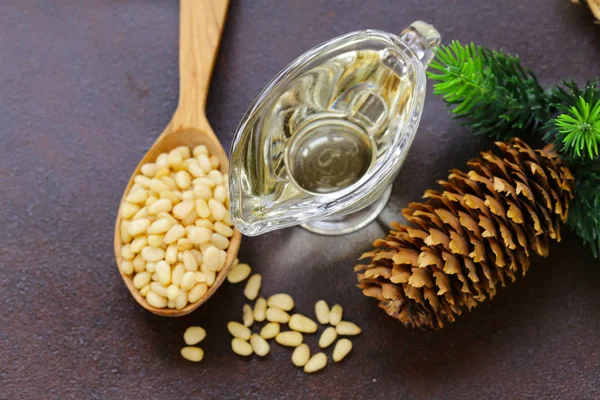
column 201, row 24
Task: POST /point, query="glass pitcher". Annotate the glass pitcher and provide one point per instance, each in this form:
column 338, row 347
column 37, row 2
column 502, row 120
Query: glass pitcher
column 322, row 143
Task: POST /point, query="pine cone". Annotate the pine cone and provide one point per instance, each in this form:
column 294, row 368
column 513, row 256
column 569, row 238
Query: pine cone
column 474, row 236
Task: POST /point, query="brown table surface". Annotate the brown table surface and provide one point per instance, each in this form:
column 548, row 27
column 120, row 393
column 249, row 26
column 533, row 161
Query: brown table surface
column 85, row 88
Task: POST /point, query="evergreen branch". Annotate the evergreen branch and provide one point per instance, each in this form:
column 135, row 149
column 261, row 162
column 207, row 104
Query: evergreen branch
column 584, row 212
column 579, row 130
column 491, row 92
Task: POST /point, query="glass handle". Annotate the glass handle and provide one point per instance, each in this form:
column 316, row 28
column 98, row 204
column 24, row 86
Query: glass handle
column 422, row 38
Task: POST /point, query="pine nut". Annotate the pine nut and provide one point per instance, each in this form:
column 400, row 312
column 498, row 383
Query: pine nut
column 126, row 252
column 141, row 279
column 188, row 280
column 158, row 227
column 142, row 213
column 277, row 315
column 190, row 219
column 327, row 337
column 222, row 259
column 253, row 287
column 174, row 159
column 341, row 350
column 162, row 160
column 214, row 161
column 167, row 216
column 125, row 236
column 149, row 169
column 223, row 229
column 220, row 194
column 211, row 259
column 289, row 338
column 203, row 192
column 204, row 223
column 138, row 244
column 193, row 354
column 139, row 264
column 158, row 289
column 260, row 309
column 316, row 363
column 300, row 323
column 200, row 149
column 220, row 241
column 158, row 185
column 195, row 170
column 199, row 235
column 189, row 261
column 139, row 196
column 200, row 277
column 183, row 180
column 217, row 209
column 174, row 233
column 259, row 345
column 181, row 210
column 152, row 253
column 161, row 172
column 177, row 274
column 335, row 316
column 241, row 347
column 156, row 300
column 167, row 194
column 155, row 240
column 172, row 292
column 161, row 205
column 151, row 267
column 150, row 200
column 127, row 267
column 322, row 311
column 210, row 277
column 144, row 291
column 181, row 300
column 142, row 181
column 171, row 303
column 194, row 335
column 282, row 301
column 347, row 328
column 248, row 315
column 197, row 292
column 138, row 226
column 270, row 330
column 204, row 163
column 171, row 254
column 238, row 330
column 238, row 273
column 301, row 355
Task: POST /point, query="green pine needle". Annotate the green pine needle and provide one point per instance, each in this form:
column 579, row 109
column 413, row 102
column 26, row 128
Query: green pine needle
column 584, row 212
column 579, row 130
column 491, row 92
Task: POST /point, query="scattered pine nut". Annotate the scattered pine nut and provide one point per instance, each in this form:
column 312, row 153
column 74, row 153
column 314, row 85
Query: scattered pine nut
column 347, row 328
column 300, row 323
column 260, row 309
column 316, row 363
column 253, row 287
column 238, row 273
column 270, row 330
column 341, row 350
column 238, row 330
column 248, row 315
column 259, row 345
column 327, row 337
column 322, row 312
column 335, row 316
column 289, row 338
column 194, row 335
column 282, row 301
column 301, row 355
column 277, row 315
column 194, row 354
column 241, row 347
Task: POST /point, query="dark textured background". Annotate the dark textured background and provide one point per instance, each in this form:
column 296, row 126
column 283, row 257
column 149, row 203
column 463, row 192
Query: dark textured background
column 85, row 88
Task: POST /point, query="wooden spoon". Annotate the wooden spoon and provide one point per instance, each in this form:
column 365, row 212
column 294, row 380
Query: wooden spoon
column 201, row 24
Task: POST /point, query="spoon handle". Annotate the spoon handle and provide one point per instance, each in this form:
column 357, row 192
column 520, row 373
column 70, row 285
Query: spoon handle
column 200, row 27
